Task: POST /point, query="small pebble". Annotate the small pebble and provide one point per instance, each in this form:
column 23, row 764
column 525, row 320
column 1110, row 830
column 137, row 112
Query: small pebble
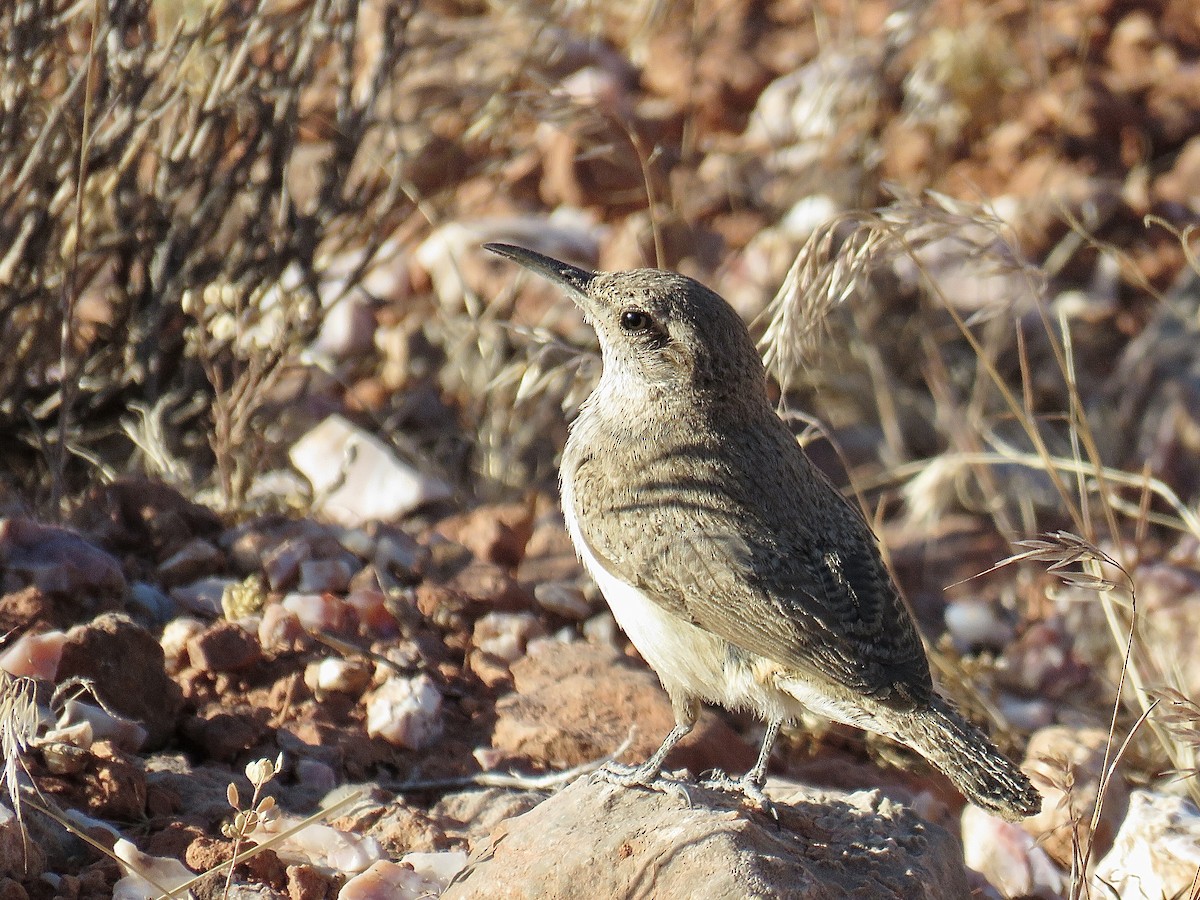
column 320, row 612
column 136, row 885
column 280, row 628
column 406, row 712
column 175, row 637
column 322, row 575
column 563, row 599
column 975, row 625
column 202, row 597
column 505, row 635
column 386, row 880
column 338, row 675
column 123, row 733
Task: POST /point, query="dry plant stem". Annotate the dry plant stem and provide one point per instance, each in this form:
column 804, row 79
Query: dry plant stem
column 52, row 812
column 545, row 782
column 1080, row 863
column 18, row 726
column 67, row 371
column 1188, row 521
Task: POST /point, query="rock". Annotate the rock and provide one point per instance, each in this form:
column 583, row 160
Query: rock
column 225, row 647
column 1061, row 757
column 1157, row 851
column 496, row 534
column 1008, row 857
column 19, row 857
column 324, row 575
column 127, row 666
column 357, row 478
column 562, row 598
column 387, row 880
column 617, row 842
column 203, row 597
column 222, row 736
column 505, row 635
column 322, row 612
column 100, row 726
column 316, row 844
column 975, row 625
column 114, row 784
column 194, row 559
column 202, row 789
column 141, row 515
column 406, row 712
column 577, row 702
column 334, row 674
column 59, row 562
column 34, row 655
column 175, row 637
column 146, row 875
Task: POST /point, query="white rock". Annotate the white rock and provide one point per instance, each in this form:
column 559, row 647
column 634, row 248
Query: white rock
column 406, row 712
column 437, row 867
column 337, row 675
column 124, row 733
column 1008, row 857
column 141, row 868
column 319, row 845
column 177, row 633
column 386, row 880
column 34, row 655
column 356, row 477
column 505, row 635
column 1157, row 850
column 975, row 624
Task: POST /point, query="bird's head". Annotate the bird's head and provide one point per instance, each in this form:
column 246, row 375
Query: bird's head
column 660, row 333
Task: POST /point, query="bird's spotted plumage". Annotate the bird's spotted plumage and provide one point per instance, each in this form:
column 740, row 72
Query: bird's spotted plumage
column 738, row 571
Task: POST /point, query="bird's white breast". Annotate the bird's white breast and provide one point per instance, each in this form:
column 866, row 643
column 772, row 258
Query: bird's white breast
column 687, row 659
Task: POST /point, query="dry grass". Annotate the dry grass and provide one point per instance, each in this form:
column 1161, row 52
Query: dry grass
column 163, row 190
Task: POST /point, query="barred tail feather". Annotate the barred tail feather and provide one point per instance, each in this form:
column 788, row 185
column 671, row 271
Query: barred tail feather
column 965, row 755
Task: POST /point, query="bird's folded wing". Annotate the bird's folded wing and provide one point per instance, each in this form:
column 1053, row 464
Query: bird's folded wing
column 816, row 607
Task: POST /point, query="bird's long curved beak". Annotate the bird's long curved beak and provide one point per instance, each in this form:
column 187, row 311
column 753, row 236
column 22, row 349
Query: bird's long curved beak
column 573, row 278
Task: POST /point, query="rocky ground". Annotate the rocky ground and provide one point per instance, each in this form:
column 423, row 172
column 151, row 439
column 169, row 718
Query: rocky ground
column 325, row 565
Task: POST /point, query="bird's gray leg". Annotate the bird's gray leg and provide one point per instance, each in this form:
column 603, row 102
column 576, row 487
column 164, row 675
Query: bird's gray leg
column 751, row 784
column 649, row 774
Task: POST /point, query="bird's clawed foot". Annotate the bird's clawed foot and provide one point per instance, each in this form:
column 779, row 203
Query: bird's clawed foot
column 748, row 786
column 644, row 776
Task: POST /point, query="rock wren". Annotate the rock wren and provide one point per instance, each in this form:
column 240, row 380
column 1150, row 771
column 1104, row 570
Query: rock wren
column 738, row 571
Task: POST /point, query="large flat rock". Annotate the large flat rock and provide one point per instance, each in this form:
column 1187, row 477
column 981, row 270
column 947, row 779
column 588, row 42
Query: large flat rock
column 593, row 840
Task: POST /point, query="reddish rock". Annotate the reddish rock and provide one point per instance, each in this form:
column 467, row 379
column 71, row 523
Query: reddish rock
column 496, row 534
column 225, row 647
column 28, row 607
column 310, row 883
column 204, row 853
column 127, row 666
column 115, row 784
column 222, row 736
column 577, row 702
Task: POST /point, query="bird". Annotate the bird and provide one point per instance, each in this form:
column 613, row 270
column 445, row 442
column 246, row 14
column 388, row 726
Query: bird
column 739, row 572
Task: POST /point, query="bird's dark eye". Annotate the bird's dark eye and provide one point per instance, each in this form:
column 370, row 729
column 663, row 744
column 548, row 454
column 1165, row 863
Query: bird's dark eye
column 634, row 320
